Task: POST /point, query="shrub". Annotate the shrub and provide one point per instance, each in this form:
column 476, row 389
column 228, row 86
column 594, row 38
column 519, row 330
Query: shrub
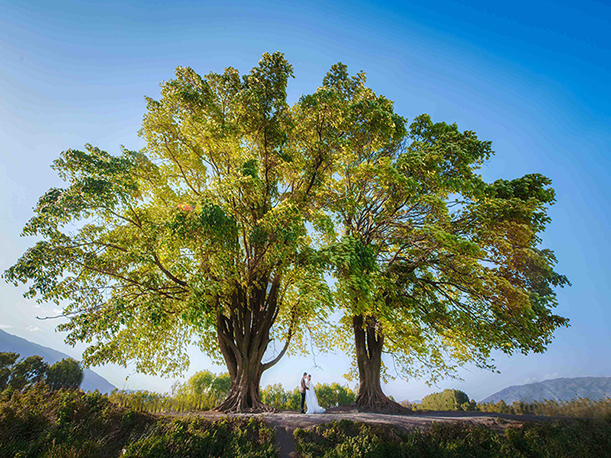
column 45, row 423
column 328, row 396
column 580, row 407
column 197, row 437
column 70, row 423
column 203, row 391
column 447, row 400
column 345, row 439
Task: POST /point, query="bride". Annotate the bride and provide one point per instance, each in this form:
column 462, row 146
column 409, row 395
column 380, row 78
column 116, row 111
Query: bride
column 311, row 400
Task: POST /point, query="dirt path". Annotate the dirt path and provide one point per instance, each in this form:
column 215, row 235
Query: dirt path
column 285, row 422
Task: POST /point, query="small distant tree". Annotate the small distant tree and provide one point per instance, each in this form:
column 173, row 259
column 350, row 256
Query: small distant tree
column 205, row 389
column 66, row 373
column 275, row 396
column 448, row 400
column 27, row 372
column 334, row 395
column 7, row 360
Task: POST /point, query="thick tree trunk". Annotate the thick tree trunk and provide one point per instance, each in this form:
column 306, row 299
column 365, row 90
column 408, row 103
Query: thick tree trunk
column 244, row 393
column 243, row 336
column 369, row 345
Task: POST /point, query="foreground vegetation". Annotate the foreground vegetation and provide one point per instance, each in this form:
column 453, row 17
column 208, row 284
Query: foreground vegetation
column 39, row 422
column 578, row 408
column 456, row 400
column 579, row 438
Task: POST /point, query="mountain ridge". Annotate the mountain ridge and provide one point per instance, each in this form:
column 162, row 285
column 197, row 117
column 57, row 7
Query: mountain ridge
column 559, row 389
column 12, row 343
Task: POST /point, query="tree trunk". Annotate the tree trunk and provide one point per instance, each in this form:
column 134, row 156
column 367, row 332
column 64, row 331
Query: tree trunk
column 243, row 336
column 244, row 393
column 369, row 343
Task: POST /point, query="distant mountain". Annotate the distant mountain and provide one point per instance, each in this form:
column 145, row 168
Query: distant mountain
column 91, row 380
column 559, row 389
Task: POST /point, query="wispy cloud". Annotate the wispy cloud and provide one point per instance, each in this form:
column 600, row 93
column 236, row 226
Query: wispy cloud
column 5, row 326
column 33, row 328
column 58, row 311
column 550, row 376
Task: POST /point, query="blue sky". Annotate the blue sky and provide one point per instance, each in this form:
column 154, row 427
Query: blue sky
column 533, row 77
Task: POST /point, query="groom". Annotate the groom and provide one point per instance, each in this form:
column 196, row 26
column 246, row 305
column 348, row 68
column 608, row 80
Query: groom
column 302, row 389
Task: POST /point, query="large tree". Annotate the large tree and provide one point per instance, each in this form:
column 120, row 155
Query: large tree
column 200, row 236
column 435, row 266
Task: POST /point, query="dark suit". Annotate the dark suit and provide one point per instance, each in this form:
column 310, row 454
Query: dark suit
column 302, row 390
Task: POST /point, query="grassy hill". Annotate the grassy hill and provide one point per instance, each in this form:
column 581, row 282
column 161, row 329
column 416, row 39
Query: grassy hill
column 91, row 380
column 560, row 389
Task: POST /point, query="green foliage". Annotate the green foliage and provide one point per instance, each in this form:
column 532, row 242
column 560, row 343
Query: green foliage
column 275, row 396
column 334, row 395
column 7, row 362
column 149, row 249
column 70, row 423
column 210, row 389
column 198, row 437
column 65, row 423
column 23, row 373
column 203, row 391
column 328, row 396
column 447, row 400
column 443, row 263
column 455, row 440
column 580, row 408
column 66, row 373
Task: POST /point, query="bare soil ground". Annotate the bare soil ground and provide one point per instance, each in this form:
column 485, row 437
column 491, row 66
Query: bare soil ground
column 285, row 422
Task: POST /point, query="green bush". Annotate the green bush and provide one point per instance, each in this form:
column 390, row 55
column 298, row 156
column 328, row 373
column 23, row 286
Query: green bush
column 447, row 400
column 203, row 391
column 328, row 396
column 580, row 408
column 197, row 437
column 43, row 423
column 575, row 439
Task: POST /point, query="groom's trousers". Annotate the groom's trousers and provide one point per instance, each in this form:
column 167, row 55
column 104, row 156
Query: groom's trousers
column 302, row 400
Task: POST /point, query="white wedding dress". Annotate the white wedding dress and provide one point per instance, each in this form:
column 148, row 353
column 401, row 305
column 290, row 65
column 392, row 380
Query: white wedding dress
column 311, row 400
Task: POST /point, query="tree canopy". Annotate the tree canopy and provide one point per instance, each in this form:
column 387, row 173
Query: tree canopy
column 434, row 265
column 220, row 231
column 66, row 374
column 200, row 236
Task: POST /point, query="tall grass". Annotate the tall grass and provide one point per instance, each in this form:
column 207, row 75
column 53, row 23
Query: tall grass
column 191, row 397
column 579, row 408
column 149, row 401
column 40, row 423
